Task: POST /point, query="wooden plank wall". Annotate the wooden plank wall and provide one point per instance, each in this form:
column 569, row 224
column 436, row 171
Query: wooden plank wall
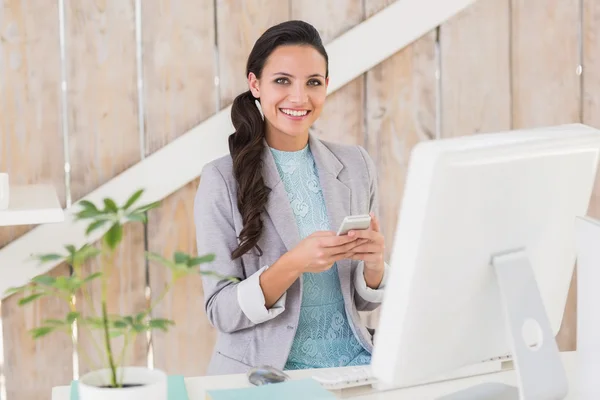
column 31, row 150
column 179, row 93
column 498, row 65
column 104, row 140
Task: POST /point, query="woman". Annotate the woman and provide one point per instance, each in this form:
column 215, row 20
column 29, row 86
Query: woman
column 267, row 211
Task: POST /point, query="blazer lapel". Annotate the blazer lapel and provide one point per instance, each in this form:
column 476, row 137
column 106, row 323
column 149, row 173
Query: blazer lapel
column 337, row 196
column 336, row 193
column 278, row 205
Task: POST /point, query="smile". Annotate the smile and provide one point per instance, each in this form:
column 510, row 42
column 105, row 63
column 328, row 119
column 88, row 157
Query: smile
column 295, row 114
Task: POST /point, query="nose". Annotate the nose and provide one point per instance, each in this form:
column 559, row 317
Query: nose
column 298, row 94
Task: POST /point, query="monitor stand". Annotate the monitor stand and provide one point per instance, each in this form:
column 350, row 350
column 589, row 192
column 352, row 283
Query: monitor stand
column 540, row 373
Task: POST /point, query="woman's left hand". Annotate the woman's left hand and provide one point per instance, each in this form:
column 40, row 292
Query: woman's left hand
column 371, row 251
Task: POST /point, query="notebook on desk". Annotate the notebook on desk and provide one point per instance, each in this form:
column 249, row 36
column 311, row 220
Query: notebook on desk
column 303, row 389
column 175, row 387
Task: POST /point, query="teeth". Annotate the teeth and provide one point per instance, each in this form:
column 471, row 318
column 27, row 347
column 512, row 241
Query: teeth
column 294, row 113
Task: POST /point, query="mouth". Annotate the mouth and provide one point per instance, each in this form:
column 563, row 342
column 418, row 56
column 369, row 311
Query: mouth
column 295, row 115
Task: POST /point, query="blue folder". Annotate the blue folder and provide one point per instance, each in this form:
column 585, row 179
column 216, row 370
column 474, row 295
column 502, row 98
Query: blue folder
column 175, row 387
column 303, row 389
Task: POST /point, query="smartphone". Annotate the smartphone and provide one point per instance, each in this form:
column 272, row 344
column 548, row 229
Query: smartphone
column 354, row 222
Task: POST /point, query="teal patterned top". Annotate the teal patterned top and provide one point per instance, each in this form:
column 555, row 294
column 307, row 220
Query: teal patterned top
column 324, row 337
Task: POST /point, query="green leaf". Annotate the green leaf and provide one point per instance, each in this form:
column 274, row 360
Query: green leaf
column 87, row 214
column 138, row 328
column 160, row 259
column 147, row 207
column 83, row 254
column 129, row 320
column 133, row 199
column 45, row 280
column 41, row 331
column 136, row 217
column 115, row 334
column 181, row 258
column 159, row 323
column 44, row 258
column 62, row 283
column 120, row 324
column 14, row 290
column 219, row 276
column 114, row 235
column 201, row 260
column 92, row 277
column 71, row 249
column 72, row 316
column 54, row 322
column 86, row 204
column 110, row 205
column 95, row 225
column 140, row 316
column 30, row 298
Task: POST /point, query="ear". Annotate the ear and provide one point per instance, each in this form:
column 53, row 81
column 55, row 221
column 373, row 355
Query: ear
column 327, row 82
column 253, row 85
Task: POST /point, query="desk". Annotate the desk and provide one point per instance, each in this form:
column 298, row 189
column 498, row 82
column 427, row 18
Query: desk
column 197, row 386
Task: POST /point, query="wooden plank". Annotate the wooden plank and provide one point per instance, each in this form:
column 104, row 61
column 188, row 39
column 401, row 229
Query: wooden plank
column 33, row 368
column 591, row 81
column 104, row 136
column 31, row 152
column 475, row 70
column 239, row 24
column 546, row 88
column 545, row 56
column 342, row 118
column 401, row 111
column 178, row 96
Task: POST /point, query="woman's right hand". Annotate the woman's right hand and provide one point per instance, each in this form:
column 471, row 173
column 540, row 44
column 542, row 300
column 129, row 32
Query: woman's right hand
column 319, row 251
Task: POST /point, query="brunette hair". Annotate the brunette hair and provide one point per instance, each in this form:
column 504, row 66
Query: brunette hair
column 246, row 143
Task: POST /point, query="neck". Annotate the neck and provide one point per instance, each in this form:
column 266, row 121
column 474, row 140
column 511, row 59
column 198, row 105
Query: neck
column 284, row 142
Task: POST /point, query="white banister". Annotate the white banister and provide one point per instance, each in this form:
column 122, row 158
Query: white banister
column 182, row 160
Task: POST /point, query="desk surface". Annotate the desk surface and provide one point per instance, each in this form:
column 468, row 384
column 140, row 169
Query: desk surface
column 197, row 386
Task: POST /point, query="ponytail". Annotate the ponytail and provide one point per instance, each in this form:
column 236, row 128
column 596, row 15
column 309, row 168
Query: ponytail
column 246, row 148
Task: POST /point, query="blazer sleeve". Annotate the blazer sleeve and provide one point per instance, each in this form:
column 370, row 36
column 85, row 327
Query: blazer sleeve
column 365, row 298
column 229, row 306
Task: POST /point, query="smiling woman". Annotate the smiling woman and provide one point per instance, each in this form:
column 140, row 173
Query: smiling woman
column 267, row 211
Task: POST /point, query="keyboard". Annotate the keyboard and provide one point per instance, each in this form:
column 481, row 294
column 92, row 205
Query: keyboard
column 345, row 377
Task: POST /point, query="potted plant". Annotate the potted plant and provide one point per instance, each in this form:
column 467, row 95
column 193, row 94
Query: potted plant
column 115, row 381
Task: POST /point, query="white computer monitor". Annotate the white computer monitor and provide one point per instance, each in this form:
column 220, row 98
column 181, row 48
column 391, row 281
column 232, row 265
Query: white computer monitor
column 485, row 236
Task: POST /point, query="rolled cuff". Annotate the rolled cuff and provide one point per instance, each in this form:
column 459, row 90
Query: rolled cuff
column 371, row 295
column 251, row 299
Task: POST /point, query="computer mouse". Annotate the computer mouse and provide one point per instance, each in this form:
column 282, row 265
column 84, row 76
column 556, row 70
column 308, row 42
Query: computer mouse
column 265, row 375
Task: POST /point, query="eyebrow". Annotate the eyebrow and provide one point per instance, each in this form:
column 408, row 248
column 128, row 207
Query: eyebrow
column 292, row 76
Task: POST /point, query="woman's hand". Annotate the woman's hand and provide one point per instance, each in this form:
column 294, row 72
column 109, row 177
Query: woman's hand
column 371, row 252
column 319, row 251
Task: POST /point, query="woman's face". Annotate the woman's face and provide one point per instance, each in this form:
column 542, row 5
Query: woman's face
column 292, row 91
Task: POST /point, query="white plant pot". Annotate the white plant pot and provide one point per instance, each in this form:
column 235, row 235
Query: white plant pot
column 153, row 385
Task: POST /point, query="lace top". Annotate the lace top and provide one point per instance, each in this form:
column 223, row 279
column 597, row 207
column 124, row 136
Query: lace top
column 324, row 337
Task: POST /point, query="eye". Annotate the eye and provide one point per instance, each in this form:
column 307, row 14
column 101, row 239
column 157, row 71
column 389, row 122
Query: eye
column 314, row 82
column 282, row 81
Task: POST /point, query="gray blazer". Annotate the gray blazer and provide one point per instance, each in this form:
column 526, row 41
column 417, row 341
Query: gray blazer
column 349, row 183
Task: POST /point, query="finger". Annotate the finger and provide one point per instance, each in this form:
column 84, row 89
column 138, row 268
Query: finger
column 364, row 234
column 336, row 241
column 375, row 223
column 348, row 247
column 368, row 248
column 323, row 233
